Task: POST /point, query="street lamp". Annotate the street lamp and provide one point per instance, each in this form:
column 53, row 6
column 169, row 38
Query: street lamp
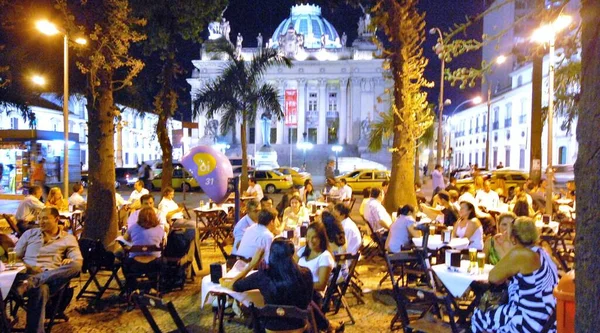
column 48, row 28
column 337, row 149
column 439, row 49
column 305, row 146
column 38, row 80
column 547, row 34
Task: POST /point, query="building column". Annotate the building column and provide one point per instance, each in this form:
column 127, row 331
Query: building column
column 322, row 130
column 258, row 137
column 343, row 124
column 301, row 108
column 119, row 161
column 353, row 128
column 281, row 123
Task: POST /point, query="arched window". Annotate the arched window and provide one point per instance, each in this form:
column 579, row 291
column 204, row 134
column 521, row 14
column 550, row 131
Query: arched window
column 562, row 155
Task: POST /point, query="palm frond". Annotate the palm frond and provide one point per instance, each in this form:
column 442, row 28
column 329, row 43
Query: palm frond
column 268, row 99
column 266, row 58
column 381, row 130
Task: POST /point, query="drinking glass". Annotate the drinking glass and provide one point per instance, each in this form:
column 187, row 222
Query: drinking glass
column 12, row 256
column 432, row 230
column 472, row 258
column 480, row 261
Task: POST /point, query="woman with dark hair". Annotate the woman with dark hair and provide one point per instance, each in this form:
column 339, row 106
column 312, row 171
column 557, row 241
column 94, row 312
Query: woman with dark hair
column 295, row 214
column 531, row 277
column 521, row 208
column 147, row 230
column 284, row 282
column 282, row 205
column 316, row 257
column 310, row 194
column 337, row 238
column 468, row 226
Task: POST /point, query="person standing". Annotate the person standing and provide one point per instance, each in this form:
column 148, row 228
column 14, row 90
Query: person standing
column 329, row 170
column 437, row 177
column 39, row 174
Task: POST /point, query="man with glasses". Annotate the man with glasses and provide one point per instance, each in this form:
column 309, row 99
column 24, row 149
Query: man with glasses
column 251, row 217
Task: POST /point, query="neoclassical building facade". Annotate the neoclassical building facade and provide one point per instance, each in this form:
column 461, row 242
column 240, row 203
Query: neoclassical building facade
column 330, row 94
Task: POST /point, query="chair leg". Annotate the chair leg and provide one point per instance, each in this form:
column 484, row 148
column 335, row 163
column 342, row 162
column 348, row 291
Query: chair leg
column 347, row 307
column 56, row 306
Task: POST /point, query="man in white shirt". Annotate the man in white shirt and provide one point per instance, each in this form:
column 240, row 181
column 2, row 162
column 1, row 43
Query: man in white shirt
column 518, row 190
column 487, row 198
column 76, row 199
column 366, row 197
column 469, row 197
column 29, row 208
column 147, row 200
column 136, row 194
column 353, row 238
column 250, row 219
column 345, row 193
column 254, row 190
column 375, row 213
column 257, row 239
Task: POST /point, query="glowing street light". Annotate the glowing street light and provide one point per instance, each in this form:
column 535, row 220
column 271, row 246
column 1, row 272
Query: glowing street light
column 48, row 28
column 38, row 80
column 304, row 145
column 337, row 149
column 547, row 34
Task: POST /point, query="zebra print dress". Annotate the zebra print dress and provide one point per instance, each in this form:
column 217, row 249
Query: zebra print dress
column 530, row 302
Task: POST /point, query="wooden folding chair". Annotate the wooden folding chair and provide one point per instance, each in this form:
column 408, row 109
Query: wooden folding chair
column 98, row 261
column 143, row 269
column 144, row 302
column 283, row 311
column 12, row 223
column 336, row 289
column 213, row 224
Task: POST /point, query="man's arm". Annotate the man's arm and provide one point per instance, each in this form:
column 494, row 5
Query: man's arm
column 21, row 245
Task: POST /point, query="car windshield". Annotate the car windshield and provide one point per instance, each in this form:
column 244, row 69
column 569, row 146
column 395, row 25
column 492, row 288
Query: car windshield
column 277, row 172
column 353, row 174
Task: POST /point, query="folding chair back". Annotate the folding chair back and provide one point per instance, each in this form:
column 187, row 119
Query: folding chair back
column 144, row 302
column 336, row 289
column 144, row 268
column 97, row 259
column 12, row 223
column 270, row 311
column 377, row 239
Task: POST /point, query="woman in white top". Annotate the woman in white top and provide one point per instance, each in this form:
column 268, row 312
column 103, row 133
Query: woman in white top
column 468, row 226
column 295, row 214
column 169, row 208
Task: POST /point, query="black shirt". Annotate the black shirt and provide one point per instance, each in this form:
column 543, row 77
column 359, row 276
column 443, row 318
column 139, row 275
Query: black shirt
column 450, row 216
column 299, row 295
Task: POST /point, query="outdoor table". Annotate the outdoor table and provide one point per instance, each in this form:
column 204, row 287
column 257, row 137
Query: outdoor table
column 213, row 223
column 552, row 225
column 319, row 204
column 563, row 201
column 73, row 217
column 211, row 291
column 7, row 278
column 244, row 198
column 435, row 242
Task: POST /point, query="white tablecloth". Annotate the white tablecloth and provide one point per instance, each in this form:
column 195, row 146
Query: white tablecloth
column 7, row 278
column 553, row 225
column 204, row 209
column 67, row 214
column 435, row 242
column 247, row 297
column 458, row 282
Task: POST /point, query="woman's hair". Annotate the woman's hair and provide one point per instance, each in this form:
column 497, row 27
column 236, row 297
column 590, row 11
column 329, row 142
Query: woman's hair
column 283, row 204
column 405, row 210
column 334, row 230
column 53, row 192
column 525, row 231
column 147, row 218
column 284, row 271
column 508, row 215
column 167, row 190
column 366, row 192
column 296, row 197
column 521, row 208
column 312, row 188
column 471, row 209
column 320, row 233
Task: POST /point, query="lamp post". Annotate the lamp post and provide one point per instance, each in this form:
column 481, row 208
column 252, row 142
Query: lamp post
column 547, row 34
column 439, row 48
column 50, row 29
column 337, row 149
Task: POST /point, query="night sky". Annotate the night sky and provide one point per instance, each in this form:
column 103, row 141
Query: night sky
column 249, row 17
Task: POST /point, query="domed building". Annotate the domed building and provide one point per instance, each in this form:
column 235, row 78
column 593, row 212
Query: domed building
column 329, row 96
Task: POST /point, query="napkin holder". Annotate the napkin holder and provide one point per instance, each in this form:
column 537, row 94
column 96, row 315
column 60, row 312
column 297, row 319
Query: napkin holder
column 217, row 270
column 446, row 236
column 303, row 230
column 453, row 259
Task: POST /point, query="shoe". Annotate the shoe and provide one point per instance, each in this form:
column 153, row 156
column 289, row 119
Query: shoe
column 23, row 287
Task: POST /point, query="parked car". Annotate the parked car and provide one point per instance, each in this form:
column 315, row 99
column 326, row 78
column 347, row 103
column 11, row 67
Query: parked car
column 358, row 180
column 84, row 180
column 298, row 177
column 513, row 178
column 182, row 180
column 126, row 176
column 272, row 181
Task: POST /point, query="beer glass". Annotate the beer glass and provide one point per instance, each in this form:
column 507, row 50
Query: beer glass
column 12, row 256
column 472, row 258
column 480, row 261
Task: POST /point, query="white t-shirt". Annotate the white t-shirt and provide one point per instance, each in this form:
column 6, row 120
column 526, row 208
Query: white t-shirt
column 353, row 237
column 133, row 218
column 240, row 227
column 324, row 259
column 256, row 237
column 345, row 193
column 76, row 200
column 167, row 205
column 255, row 191
column 135, row 195
column 487, row 199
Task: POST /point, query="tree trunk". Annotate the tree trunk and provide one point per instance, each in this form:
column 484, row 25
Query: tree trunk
column 244, row 180
column 587, row 176
column 165, row 104
column 417, row 167
column 536, row 119
column 101, row 214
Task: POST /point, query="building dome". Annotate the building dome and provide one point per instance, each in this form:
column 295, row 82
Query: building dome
column 307, row 21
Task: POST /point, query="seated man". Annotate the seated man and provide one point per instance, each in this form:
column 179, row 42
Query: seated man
column 29, row 208
column 257, row 239
column 76, row 199
column 254, row 190
column 147, row 200
column 366, row 197
column 443, row 210
column 136, row 194
column 250, row 219
column 353, row 237
column 375, row 213
column 345, row 192
column 403, row 230
column 52, row 258
column 486, row 197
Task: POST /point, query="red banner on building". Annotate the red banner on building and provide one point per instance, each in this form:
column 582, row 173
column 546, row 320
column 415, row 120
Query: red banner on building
column 291, row 107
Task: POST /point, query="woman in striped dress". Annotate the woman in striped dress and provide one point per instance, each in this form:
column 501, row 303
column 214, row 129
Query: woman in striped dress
column 531, row 277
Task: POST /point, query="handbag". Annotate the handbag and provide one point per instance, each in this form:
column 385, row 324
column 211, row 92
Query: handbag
column 493, row 298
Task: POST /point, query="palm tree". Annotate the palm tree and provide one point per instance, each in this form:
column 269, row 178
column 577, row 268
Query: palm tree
column 239, row 92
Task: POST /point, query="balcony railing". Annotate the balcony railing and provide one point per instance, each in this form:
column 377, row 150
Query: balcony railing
column 484, row 128
column 507, row 122
column 522, row 118
column 476, row 129
column 495, row 125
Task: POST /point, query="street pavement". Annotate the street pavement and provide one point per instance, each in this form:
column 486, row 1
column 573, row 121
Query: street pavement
column 113, row 316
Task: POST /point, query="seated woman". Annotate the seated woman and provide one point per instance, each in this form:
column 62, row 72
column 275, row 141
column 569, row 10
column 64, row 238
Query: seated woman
column 295, row 214
column 55, row 199
column 282, row 283
column 531, row 277
column 522, row 208
column 147, row 231
column 337, row 238
column 168, row 207
column 282, row 205
column 468, row 226
column 402, row 230
column 316, row 257
column 498, row 246
column 310, row 194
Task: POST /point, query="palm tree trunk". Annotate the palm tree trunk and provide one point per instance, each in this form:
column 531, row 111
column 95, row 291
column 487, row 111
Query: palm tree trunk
column 244, row 180
column 101, row 213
